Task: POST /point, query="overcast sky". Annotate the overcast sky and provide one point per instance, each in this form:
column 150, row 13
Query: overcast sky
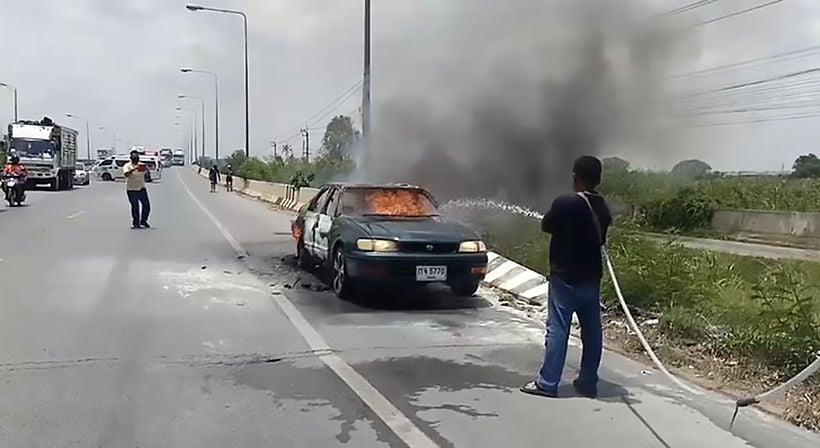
column 116, row 62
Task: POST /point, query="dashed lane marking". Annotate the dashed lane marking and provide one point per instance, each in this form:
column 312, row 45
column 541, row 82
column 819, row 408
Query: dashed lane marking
column 399, row 423
column 76, row 215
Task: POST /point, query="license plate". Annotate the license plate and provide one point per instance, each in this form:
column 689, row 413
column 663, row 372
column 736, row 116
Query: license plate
column 431, row 273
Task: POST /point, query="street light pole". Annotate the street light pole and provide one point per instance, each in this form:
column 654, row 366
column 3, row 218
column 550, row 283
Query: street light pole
column 366, row 84
column 14, row 92
column 114, row 137
column 193, row 127
column 216, row 101
column 202, row 103
column 247, row 95
column 87, row 133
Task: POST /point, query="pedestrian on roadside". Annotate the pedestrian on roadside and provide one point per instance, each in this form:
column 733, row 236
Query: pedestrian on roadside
column 229, row 177
column 134, row 172
column 213, row 175
column 578, row 224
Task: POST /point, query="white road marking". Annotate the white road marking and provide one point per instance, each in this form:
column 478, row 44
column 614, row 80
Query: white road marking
column 76, row 215
column 399, row 423
column 110, row 198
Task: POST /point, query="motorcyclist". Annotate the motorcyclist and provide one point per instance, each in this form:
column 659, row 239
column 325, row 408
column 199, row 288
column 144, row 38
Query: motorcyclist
column 14, row 168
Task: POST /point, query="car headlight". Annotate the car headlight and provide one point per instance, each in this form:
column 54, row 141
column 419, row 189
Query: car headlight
column 472, row 246
column 372, row 245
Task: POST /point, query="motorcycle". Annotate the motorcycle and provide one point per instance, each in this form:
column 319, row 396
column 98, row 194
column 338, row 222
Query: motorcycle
column 15, row 188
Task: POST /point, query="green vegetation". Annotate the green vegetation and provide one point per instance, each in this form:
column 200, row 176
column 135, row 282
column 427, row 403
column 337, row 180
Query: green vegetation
column 762, row 311
column 334, row 163
column 671, row 202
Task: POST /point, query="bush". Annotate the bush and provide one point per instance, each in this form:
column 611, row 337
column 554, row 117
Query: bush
column 686, row 211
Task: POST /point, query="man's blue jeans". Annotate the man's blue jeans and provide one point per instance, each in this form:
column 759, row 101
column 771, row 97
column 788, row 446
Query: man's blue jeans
column 585, row 301
column 137, row 198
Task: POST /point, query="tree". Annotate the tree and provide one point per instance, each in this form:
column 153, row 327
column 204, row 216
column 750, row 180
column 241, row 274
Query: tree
column 615, row 164
column 691, row 169
column 807, row 165
column 287, row 151
column 339, row 138
column 237, row 159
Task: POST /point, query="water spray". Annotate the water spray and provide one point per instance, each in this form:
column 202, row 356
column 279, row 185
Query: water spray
column 489, row 204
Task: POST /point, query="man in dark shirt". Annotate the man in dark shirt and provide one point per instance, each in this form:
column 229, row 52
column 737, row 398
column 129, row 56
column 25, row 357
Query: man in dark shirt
column 575, row 280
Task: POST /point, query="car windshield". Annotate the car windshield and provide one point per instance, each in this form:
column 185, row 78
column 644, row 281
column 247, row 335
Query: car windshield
column 79, row 167
column 400, row 202
column 32, row 148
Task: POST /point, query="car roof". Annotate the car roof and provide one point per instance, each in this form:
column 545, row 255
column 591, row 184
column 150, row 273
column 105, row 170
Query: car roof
column 354, row 185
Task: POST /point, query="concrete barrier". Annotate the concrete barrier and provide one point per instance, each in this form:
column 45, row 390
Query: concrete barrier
column 779, row 223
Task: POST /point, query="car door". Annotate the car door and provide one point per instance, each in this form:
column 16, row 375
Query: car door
column 104, row 167
column 325, row 221
column 312, row 220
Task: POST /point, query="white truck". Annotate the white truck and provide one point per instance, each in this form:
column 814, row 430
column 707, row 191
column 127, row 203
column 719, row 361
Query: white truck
column 178, row 159
column 47, row 150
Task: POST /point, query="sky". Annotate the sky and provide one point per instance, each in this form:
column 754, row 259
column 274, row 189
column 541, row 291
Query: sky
column 116, row 63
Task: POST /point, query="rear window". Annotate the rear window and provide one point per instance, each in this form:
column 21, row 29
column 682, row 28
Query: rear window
column 151, row 164
column 121, row 163
column 401, row 202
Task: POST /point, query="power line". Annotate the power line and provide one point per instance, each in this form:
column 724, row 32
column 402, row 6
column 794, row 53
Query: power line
column 730, row 15
column 755, row 82
column 757, row 61
column 685, row 8
column 756, row 120
column 344, row 96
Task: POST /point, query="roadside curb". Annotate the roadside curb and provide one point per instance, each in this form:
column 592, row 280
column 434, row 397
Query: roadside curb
column 285, row 203
column 513, row 278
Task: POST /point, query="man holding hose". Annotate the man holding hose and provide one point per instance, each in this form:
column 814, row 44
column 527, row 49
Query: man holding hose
column 578, row 224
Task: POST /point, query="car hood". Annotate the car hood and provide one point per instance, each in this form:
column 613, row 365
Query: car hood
column 408, row 229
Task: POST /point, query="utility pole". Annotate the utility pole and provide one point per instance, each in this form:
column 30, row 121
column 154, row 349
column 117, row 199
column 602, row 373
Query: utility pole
column 273, row 145
column 366, row 84
column 306, row 143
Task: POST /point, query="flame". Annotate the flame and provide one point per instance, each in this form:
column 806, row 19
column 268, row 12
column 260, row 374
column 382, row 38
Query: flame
column 399, row 203
column 296, row 231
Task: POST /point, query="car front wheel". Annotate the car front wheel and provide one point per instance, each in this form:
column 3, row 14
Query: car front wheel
column 466, row 288
column 342, row 284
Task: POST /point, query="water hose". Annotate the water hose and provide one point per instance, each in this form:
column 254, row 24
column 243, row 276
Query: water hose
column 777, row 391
column 637, row 329
column 740, row 403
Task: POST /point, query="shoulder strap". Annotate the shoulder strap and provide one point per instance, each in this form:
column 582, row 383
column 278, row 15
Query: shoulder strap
column 595, row 219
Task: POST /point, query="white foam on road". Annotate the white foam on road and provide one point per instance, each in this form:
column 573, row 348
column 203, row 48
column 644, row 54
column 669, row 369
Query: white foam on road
column 399, row 423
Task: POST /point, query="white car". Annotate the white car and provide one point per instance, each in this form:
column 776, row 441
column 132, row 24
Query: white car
column 111, row 168
column 81, row 175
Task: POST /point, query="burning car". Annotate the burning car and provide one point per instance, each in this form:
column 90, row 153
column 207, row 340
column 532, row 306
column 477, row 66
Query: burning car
column 388, row 235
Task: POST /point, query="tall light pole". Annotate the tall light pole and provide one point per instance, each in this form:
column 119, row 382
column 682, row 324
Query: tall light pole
column 87, row 133
column 202, row 116
column 366, row 84
column 245, row 23
column 216, row 102
column 193, row 127
column 14, row 91
column 113, row 137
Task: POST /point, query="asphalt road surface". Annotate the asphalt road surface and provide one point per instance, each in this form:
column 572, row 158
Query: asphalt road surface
column 112, row 337
column 758, row 250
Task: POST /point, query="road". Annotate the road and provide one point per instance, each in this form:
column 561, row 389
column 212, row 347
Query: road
column 741, row 248
column 114, row 337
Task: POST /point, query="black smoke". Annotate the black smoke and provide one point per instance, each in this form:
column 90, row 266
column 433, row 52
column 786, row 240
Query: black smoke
column 503, row 96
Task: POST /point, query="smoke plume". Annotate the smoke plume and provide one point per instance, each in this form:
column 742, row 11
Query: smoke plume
column 497, row 98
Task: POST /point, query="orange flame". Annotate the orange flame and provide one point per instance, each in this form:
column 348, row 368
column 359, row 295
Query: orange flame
column 296, row 231
column 399, row 203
